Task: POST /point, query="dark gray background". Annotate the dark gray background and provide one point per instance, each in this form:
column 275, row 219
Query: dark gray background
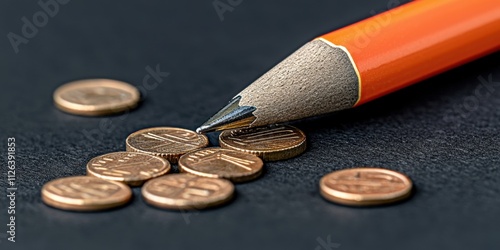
column 437, row 132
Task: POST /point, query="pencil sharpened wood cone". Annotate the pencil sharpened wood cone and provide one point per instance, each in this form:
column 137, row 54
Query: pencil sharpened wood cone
column 316, row 79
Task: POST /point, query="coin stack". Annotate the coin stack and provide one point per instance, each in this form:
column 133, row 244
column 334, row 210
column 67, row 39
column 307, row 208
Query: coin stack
column 207, row 173
column 207, row 177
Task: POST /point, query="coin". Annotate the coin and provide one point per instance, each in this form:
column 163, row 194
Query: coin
column 132, row 168
column 85, row 193
column 93, row 97
column 167, row 142
column 186, row 192
column 271, row 143
column 222, row 163
column 365, row 186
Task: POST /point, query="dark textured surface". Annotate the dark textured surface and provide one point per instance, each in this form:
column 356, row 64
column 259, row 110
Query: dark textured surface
column 425, row 131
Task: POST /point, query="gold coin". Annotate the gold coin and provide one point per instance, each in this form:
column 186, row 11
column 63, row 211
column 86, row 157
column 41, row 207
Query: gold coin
column 221, row 163
column 95, row 97
column 185, row 192
column 169, row 143
column 132, row 168
column 85, row 193
column 365, row 186
column 271, row 143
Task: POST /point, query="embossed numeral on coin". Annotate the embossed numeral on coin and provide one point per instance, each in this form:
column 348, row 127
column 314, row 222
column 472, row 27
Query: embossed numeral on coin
column 209, row 155
column 131, row 168
column 85, row 193
column 268, row 135
column 174, row 138
column 221, row 163
column 169, row 143
column 84, row 190
column 186, row 188
column 270, row 143
column 184, row 191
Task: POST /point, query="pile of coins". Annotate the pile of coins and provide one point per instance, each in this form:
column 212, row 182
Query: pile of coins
column 207, row 173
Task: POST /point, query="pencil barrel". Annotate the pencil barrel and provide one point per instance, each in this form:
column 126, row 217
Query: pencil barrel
column 418, row 40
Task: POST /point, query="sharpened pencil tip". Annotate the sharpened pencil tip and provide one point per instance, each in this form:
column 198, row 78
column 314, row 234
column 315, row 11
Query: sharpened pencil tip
column 202, row 129
column 231, row 116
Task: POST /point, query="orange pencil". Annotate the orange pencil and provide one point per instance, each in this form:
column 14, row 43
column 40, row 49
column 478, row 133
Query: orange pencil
column 366, row 60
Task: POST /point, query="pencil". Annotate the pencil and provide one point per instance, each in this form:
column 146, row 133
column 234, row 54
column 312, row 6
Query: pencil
column 366, row 60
